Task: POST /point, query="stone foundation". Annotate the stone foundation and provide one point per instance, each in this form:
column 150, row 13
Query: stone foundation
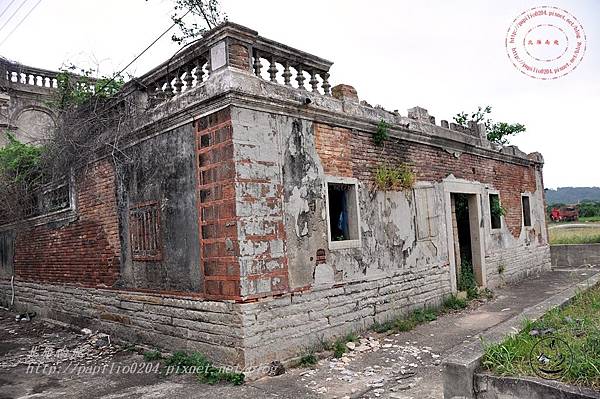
column 246, row 335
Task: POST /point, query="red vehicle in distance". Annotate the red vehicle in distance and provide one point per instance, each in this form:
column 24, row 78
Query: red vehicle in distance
column 565, row 213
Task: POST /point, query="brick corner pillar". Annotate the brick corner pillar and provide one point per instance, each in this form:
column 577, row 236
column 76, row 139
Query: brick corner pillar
column 219, row 248
column 240, row 207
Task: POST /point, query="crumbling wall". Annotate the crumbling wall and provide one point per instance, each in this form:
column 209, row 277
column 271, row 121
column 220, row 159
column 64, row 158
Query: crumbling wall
column 163, row 321
column 280, row 162
column 83, row 249
column 259, row 192
column 161, row 171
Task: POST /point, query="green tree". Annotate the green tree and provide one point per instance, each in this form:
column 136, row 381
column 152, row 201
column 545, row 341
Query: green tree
column 497, row 132
column 19, row 162
column 77, row 85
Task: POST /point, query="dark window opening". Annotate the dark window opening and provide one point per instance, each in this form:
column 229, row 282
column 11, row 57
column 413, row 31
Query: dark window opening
column 526, row 211
column 145, row 232
column 343, row 212
column 205, row 140
column 495, row 211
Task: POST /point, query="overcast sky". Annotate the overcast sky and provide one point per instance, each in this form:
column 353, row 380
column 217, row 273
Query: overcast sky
column 446, row 56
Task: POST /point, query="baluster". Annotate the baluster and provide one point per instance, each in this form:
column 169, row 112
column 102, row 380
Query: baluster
column 287, row 74
column 31, row 79
column 168, row 89
column 272, row 70
column 199, row 71
column 189, row 79
column 314, row 82
column 47, row 82
column 257, row 65
column 300, row 77
column 178, row 82
column 325, row 85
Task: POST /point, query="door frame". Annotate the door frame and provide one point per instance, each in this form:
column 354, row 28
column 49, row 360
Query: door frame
column 459, row 186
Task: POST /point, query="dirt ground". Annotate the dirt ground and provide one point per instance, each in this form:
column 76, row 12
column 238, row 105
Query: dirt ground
column 43, row 360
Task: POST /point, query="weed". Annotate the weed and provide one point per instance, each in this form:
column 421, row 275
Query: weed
column 501, row 268
column 466, row 280
column 382, row 327
column 308, row 359
column 339, row 348
column 576, row 325
column 382, row 133
column 424, row 315
column 400, row 177
column 455, row 303
column 205, row 371
column 150, row 356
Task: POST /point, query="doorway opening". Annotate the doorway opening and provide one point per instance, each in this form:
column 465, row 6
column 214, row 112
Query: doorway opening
column 467, row 251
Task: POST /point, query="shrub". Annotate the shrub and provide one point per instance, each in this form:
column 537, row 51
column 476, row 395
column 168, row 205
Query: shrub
column 400, row 177
column 339, row 348
column 382, row 133
column 150, row 356
column 455, row 303
column 308, row 359
column 466, row 281
column 204, row 369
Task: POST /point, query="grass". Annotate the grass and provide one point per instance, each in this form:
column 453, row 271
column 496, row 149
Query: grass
column 197, row 363
column 589, row 219
column 339, row 346
column 151, row 356
column 420, row 316
column 577, row 324
column 308, row 359
column 575, row 235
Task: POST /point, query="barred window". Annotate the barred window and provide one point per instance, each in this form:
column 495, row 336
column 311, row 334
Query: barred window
column 145, row 232
column 49, row 199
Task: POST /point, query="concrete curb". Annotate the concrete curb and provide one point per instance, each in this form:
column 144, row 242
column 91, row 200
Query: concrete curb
column 459, row 368
column 491, row 386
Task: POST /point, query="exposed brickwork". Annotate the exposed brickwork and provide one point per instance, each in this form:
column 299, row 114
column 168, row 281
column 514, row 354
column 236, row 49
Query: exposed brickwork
column 86, row 251
column 353, row 153
column 219, row 246
column 238, row 56
column 345, row 92
column 334, row 145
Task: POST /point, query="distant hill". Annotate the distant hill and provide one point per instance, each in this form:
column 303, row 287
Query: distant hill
column 572, row 195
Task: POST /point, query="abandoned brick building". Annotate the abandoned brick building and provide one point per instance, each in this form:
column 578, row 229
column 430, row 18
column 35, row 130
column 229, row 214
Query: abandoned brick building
column 252, row 226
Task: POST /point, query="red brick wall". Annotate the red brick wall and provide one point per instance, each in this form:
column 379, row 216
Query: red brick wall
column 353, row 154
column 334, row 146
column 85, row 251
column 219, row 246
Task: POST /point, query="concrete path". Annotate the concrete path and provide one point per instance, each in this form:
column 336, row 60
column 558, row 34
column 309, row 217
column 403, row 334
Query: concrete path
column 404, row 365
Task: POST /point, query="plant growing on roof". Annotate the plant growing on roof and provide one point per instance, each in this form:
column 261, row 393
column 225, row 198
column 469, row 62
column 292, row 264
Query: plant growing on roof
column 207, row 11
column 382, row 133
column 497, row 132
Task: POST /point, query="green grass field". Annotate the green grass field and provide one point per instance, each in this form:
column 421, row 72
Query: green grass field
column 577, row 325
column 590, row 219
column 575, row 235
